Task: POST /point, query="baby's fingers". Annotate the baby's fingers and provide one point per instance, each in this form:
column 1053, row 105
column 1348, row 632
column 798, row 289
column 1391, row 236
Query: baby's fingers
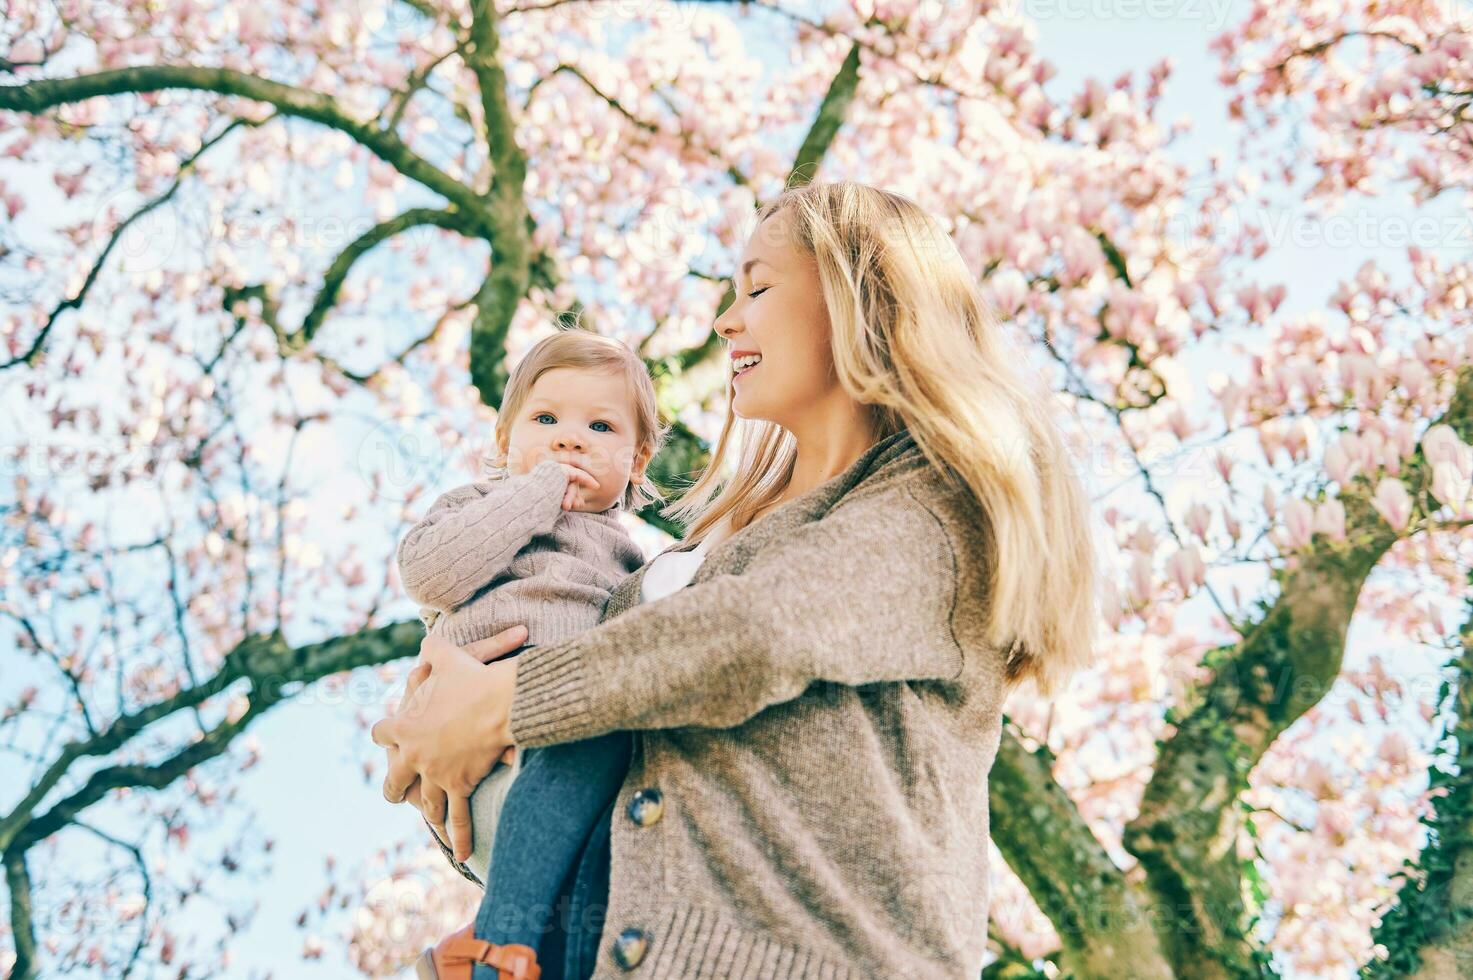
column 581, row 476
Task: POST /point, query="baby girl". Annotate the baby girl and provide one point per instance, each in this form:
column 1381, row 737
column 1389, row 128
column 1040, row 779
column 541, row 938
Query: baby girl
column 540, row 543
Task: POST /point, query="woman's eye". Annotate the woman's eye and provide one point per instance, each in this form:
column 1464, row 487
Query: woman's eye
column 759, row 292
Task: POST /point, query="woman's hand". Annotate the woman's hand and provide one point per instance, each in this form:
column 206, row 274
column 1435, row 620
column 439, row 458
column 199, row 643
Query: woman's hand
column 451, row 727
column 411, row 796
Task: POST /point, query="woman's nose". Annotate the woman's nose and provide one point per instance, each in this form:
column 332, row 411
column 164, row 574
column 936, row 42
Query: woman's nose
column 727, row 325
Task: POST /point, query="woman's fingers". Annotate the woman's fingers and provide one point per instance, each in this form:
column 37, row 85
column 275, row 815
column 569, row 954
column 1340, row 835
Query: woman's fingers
column 433, row 649
column 415, row 678
column 400, row 777
column 414, row 799
column 499, row 645
column 382, row 733
column 432, row 805
column 460, row 827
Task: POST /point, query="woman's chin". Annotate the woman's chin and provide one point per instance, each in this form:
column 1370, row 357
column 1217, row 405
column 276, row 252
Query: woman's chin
column 747, row 407
column 755, row 410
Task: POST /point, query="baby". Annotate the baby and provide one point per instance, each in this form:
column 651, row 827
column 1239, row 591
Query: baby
column 540, row 543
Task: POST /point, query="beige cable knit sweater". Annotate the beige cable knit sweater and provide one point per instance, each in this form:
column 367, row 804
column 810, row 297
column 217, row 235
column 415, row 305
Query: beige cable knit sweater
column 498, row 552
column 814, row 718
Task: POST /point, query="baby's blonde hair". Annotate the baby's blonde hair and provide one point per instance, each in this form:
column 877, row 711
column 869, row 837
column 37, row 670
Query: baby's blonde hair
column 913, row 338
column 575, row 347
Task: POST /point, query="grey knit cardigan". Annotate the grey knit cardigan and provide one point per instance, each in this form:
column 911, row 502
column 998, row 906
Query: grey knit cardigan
column 814, row 718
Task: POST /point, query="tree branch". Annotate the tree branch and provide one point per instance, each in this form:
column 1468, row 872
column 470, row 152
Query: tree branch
column 75, row 302
column 731, row 171
column 830, row 118
column 141, row 863
column 1100, row 917
column 38, row 96
column 417, row 81
column 337, row 273
column 826, row 125
column 1428, row 932
column 1186, row 833
column 265, row 661
column 22, row 920
column 506, row 284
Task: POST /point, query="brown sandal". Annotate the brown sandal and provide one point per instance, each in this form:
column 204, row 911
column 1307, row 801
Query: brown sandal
column 452, row 958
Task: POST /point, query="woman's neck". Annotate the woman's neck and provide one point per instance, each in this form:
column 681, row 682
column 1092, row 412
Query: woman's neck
column 831, row 451
column 827, row 446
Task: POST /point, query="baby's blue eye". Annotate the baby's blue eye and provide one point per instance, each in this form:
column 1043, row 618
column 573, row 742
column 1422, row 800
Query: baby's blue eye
column 540, row 415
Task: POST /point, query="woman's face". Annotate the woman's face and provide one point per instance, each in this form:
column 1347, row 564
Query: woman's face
column 778, row 313
column 580, row 417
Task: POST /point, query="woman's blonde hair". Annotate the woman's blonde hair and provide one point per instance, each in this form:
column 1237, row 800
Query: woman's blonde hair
column 575, row 347
column 913, row 338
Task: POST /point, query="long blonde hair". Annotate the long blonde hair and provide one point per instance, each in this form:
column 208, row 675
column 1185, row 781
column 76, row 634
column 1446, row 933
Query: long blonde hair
column 575, row 347
column 914, row 340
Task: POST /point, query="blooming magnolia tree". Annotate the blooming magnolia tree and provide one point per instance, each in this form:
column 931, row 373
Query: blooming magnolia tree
column 241, row 238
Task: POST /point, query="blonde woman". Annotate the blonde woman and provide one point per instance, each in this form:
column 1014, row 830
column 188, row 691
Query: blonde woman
column 815, row 688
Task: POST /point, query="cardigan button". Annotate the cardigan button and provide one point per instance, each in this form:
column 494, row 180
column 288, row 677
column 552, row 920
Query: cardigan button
column 646, row 807
column 630, row 948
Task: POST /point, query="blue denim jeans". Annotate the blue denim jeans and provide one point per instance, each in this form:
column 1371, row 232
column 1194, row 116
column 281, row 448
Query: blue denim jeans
column 549, row 881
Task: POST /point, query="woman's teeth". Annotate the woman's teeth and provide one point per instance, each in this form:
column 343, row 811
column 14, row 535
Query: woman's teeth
column 742, row 364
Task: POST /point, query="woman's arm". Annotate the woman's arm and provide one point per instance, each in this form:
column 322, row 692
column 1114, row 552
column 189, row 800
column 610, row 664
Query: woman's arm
column 862, row 596
column 472, row 533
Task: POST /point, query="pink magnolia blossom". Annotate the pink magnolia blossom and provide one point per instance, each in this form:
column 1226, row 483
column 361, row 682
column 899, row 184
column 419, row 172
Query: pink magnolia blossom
column 1298, row 523
column 1186, row 569
column 1452, row 487
column 1393, row 503
column 1329, row 519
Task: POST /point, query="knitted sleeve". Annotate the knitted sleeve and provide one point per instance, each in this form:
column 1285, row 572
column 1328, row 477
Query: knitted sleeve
column 471, row 534
column 862, row 596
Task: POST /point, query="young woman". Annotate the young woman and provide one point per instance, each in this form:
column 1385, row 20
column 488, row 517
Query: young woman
column 815, row 710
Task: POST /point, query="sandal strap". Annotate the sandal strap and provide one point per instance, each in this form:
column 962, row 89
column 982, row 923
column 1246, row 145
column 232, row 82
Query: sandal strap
column 513, row 961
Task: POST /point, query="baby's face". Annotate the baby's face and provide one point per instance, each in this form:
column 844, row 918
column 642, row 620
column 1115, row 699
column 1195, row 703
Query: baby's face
column 581, row 417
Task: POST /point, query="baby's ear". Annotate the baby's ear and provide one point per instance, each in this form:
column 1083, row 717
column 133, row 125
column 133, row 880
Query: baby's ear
column 641, row 461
